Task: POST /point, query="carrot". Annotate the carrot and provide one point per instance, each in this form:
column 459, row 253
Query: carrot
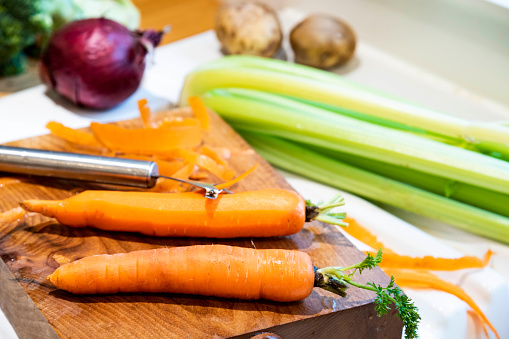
column 145, row 113
column 423, row 279
column 211, row 270
column 262, row 213
column 200, row 111
column 72, row 135
column 393, row 260
column 227, row 272
column 146, row 140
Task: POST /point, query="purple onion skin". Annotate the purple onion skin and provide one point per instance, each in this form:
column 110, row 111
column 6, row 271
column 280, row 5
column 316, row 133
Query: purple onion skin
column 96, row 63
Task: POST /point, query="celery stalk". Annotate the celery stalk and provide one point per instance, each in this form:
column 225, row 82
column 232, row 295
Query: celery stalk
column 291, row 157
column 281, row 66
column 473, row 195
column 313, row 125
column 338, row 94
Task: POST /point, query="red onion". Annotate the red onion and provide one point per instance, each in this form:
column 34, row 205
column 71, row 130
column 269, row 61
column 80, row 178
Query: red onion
column 96, row 63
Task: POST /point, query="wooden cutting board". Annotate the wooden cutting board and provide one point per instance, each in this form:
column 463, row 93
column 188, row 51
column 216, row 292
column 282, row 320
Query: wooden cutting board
column 35, row 246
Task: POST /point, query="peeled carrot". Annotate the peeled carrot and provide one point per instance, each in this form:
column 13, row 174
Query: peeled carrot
column 227, row 272
column 423, row 279
column 146, row 140
column 262, row 213
column 212, row 270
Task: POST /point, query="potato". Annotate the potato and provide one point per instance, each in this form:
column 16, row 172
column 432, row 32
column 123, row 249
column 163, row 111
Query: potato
column 248, row 28
column 322, row 41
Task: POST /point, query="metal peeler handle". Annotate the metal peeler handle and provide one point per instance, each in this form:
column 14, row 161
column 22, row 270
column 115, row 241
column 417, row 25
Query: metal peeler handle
column 84, row 167
column 109, row 170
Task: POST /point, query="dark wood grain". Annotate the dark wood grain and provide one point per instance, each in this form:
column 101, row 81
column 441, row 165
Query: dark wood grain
column 33, row 247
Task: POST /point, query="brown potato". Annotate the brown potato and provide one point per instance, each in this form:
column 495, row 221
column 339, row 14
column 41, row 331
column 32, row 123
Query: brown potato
column 322, row 41
column 248, row 28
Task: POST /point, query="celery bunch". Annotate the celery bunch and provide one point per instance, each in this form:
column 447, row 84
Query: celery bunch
column 377, row 146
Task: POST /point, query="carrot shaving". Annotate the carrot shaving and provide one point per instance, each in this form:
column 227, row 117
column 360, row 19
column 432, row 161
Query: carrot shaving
column 237, row 179
column 12, row 215
column 177, row 153
column 145, row 113
column 168, row 185
column 72, row 135
column 478, row 319
column 200, row 175
column 200, row 111
column 8, row 181
column 423, row 279
column 176, row 122
column 206, row 150
column 210, row 165
column 363, row 235
column 433, row 263
column 146, row 140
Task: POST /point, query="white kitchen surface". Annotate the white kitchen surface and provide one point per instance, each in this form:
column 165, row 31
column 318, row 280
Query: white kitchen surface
column 25, row 114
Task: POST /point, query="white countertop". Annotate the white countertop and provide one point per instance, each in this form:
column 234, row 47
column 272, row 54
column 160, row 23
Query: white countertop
column 25, row 114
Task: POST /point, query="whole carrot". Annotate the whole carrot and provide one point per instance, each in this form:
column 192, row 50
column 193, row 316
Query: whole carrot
column 262, row 213
column 223, row 271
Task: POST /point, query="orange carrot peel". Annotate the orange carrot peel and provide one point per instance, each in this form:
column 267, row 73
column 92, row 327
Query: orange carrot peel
column 423, row 279
column 364, row 235
column 72, row 135
column 393, row 260
column 235, row 180
column 407, row 271
column 145, row 113
column 146, row 140
column 200, row 111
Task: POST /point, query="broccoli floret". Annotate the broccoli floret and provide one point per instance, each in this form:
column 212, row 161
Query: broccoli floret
column 21, row 23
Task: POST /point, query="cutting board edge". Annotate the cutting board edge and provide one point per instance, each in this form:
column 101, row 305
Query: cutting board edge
column 20, row 303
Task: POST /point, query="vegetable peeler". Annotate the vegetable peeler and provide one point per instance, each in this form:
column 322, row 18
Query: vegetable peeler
column 92, row 168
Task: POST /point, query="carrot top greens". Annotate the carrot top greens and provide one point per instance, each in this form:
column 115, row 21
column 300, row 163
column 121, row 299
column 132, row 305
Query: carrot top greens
column 323, row 211
column 334, row 280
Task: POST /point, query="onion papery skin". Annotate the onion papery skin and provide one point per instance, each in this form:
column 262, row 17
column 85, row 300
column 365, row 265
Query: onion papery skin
column 96, row 63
